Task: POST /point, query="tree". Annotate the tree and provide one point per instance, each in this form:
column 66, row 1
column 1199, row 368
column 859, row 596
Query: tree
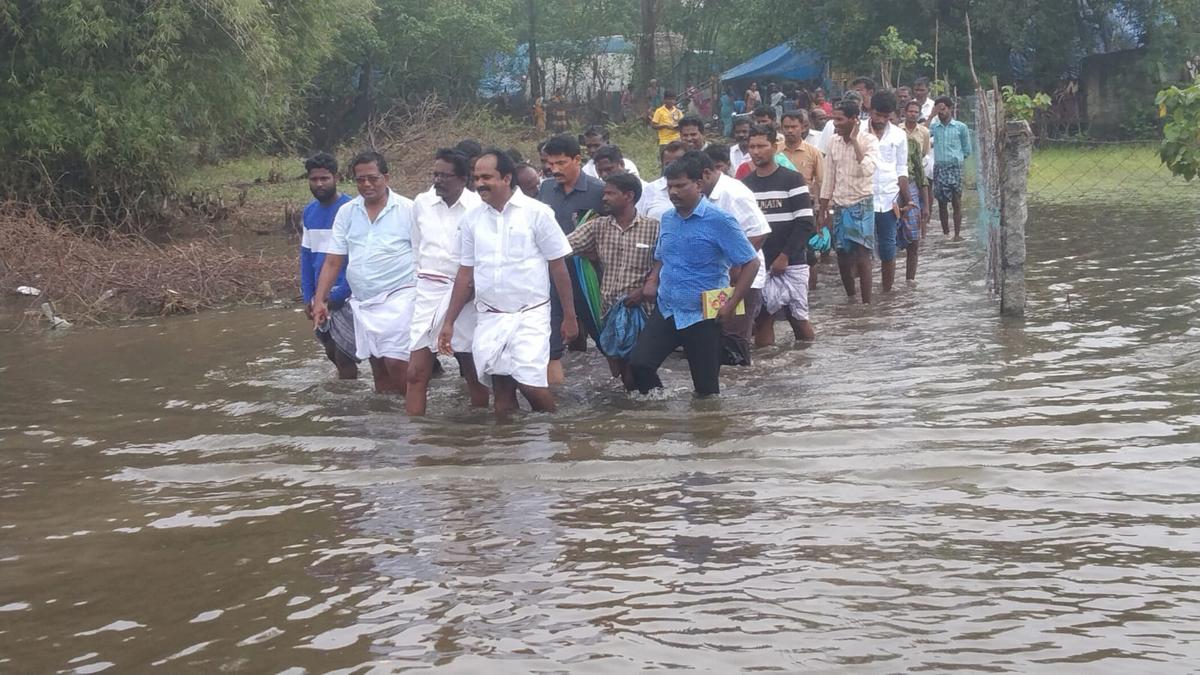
column 894, row 55
column 101, row 101
column 1180, row 149
column 646, row 57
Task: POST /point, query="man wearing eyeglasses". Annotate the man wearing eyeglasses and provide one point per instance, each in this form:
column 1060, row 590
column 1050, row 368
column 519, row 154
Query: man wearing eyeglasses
column 375, row 231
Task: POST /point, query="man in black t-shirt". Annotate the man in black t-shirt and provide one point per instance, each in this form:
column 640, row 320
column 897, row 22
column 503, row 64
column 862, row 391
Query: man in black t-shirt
column 784, row 199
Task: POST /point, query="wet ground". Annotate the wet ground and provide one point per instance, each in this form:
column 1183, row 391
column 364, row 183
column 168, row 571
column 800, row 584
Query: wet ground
column 926, row 488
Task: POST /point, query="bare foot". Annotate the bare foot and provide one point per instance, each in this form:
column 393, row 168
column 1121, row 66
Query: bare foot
column 956, row 239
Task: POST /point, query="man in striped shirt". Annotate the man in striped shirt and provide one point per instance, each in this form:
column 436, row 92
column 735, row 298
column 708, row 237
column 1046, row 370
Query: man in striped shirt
column 784, row 199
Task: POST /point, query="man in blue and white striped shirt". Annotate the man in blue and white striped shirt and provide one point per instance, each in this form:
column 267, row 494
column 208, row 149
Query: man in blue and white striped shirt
column 338, row 334
column 785, row 201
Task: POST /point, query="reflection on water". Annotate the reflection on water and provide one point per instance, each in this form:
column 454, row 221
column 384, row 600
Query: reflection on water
column 926, row 488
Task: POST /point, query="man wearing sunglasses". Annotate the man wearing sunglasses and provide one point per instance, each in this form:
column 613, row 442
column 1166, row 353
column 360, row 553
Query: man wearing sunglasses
column 374, row 230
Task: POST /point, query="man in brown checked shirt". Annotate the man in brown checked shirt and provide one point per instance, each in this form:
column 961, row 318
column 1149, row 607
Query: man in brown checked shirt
column 623, row 243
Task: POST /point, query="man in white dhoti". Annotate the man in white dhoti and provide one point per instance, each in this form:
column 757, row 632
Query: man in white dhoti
column 375, row 231
column 437, row 220
column 508, row 243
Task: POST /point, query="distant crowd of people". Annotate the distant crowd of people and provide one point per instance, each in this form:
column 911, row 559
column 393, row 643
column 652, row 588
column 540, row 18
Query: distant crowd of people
column 506, row 266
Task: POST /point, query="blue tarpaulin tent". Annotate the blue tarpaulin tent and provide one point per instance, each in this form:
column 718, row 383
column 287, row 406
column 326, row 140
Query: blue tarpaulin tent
column 783, row 62
column 504, row 74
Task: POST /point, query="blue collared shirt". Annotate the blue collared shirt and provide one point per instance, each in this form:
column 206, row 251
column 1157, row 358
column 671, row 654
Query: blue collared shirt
column 381, row 254
column 696, row 253
column 951, row 142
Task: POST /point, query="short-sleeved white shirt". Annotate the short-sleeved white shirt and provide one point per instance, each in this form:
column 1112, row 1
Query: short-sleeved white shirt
column 655, row 201
column 733, row 197
column 509, row 250
column 436, row 231
column 381, row 252
column 927, row 108
column 893, row 163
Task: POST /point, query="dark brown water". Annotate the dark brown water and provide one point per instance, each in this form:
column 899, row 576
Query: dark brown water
column 927, row 488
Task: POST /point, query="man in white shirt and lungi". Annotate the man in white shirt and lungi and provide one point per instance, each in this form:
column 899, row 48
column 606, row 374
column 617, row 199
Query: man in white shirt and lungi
column 508, row 244
column 437, row 222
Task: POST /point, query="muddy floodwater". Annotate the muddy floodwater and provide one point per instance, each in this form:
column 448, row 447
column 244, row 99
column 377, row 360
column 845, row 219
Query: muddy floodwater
column 926, row 488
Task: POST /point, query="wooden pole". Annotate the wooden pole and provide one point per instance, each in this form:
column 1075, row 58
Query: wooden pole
column 1018, row 151
column 937, row 31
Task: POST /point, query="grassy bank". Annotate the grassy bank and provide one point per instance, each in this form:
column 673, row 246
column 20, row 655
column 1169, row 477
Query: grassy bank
column 260, row 186
column 1106, row 172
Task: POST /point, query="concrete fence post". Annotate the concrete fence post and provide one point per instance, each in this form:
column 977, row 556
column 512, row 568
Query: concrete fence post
column 1014, row 166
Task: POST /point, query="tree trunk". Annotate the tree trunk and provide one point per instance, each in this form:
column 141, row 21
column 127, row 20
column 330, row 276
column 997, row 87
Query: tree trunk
column 649, row 11
column 364, row 103
column 535, row 81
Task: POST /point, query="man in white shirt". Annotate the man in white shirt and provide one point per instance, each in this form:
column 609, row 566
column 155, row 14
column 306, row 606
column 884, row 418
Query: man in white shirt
column 655, row 200
column 375, row 231
column 509, row 242
column 890, row 188
column 739, row 152
column 920, row 91
column 733, row 197
column 595, row 137
column 437, row 222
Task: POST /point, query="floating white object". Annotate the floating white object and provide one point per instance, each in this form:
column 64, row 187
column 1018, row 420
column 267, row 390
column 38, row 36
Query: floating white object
column 28, row 290
column 56, row 322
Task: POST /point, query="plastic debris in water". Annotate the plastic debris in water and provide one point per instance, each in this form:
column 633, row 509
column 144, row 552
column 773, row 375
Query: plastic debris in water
column 56, row 322
column 28, row 290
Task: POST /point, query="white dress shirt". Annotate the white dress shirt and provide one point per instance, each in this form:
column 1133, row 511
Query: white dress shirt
column 733, row 197
column 381, row 252
column 436, row 231
column 927, row 109
column 655, row 201
column 509, row 250
column 737, row 157
column 892, row 163
column 825, row 138
column 630, row 168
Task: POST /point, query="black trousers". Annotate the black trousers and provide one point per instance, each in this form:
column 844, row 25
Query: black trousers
column 701, row 341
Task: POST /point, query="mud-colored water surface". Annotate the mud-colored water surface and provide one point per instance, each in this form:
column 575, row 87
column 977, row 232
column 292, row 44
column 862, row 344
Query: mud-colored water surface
column 926, row 488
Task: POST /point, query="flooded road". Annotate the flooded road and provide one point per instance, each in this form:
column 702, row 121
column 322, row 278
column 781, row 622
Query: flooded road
column 926, row 488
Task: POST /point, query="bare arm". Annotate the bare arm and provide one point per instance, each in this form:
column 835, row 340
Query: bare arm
column 329, row 275
column 650, row 288
column 464, row 287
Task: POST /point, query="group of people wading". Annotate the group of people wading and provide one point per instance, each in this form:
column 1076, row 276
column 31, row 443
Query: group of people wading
column 487, row 265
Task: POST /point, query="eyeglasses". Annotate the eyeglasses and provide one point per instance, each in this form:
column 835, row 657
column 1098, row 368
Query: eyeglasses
column 363, row 180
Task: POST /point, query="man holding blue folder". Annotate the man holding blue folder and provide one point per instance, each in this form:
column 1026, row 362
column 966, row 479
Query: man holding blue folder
column 698, row 244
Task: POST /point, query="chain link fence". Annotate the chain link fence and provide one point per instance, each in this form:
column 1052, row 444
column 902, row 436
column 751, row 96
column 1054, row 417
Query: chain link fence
column 1078, row 170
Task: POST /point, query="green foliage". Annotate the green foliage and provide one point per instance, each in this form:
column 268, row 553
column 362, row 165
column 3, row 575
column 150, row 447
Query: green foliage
column 894, row 55
column 103, row 100
column 400, row 52
column 1023, row 106
column 1141, row 124
column 1180, row 149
